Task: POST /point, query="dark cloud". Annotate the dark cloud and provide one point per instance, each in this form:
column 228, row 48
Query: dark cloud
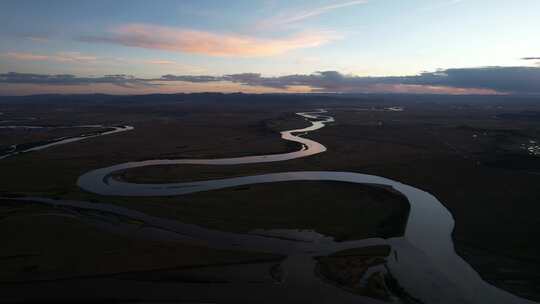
column 66, row 79
column 514, row 80
column 501, row 79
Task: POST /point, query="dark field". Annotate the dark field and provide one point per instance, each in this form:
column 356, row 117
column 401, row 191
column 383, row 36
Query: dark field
column 62, row 247
column 470, row 152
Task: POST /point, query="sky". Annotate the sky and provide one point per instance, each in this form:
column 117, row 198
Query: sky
column 259, row 46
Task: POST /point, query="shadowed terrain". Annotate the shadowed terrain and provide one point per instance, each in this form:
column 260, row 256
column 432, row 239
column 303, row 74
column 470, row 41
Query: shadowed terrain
column 470, row 152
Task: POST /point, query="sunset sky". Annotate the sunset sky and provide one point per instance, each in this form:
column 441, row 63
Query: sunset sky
column 362, row 46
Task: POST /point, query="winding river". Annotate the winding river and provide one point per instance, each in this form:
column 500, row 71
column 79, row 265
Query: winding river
column 62, row 140
column 423, row 260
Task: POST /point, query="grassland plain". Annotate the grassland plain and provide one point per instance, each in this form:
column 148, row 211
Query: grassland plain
column 446, row 149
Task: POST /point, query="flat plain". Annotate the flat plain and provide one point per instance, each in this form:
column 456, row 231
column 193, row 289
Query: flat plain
column 474, row 153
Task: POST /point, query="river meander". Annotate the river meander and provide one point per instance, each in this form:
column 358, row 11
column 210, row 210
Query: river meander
column 423, row 260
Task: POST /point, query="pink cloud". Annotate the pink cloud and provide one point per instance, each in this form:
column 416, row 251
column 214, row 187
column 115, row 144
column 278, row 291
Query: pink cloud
column 89, row 63
column 38, row 39
column 60, row 57
column 426, row 89
column 160, row 62
column 25, row 56
column 73, row 56
column 208, row 43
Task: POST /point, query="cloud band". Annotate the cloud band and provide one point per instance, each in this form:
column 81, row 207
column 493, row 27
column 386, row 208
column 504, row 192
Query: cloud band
column 511, row 80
